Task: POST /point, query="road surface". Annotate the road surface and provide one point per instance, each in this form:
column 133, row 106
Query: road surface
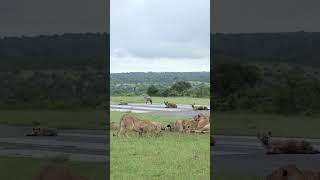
column 81, row 145
column 183, row 109
column 241, row 155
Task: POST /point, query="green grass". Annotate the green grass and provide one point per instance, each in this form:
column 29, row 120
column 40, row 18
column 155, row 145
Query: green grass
column 14, row 168
column 245, row 123
column 168, row 156
column 177, row 100
column 93, row 119
column 115, row 116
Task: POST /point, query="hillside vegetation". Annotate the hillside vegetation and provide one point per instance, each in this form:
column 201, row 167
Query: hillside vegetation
column 65, row 71
column 273, row 73
column 195, row 84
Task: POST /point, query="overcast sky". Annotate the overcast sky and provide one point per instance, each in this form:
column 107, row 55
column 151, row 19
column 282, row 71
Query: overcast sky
column 34, row 17
column 243, row 16
column 160, row 35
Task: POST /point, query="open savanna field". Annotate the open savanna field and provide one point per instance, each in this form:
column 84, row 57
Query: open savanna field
column 177, row 100
column 77, row 119
column 30, row 167
column 171, row 155
column 247, row 123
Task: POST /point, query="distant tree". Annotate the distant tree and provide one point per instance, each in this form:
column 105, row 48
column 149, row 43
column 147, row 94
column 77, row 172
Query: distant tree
column 181, row 86
column 152, row 90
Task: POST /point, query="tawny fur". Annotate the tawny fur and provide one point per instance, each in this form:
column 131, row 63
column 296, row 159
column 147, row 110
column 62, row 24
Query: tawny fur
column 177, row 126
column 131, row 123
column 114, row 126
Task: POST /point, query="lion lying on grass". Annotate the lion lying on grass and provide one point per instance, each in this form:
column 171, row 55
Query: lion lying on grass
column 131, row 123
column 291, row 172
column 286, row 146
column 199, row 124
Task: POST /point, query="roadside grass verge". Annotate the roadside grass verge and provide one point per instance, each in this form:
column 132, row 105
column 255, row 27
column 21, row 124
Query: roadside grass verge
column 177, row 100
column 82, row 119
column 170, row 155
column 246, row 123
column 116, row 115
column 20, row 168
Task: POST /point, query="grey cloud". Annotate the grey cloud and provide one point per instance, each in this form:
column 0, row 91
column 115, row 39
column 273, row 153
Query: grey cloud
column 160, row 29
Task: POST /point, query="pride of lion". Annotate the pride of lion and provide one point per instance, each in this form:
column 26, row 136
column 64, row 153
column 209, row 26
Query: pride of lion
column 291, row 172
column 286, row 146
column 199, row 124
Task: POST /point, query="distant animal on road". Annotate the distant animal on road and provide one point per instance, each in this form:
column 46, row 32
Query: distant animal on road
column 147, row 99
column 123, row 103
column 170, row 105
column 57, row 172
column 291, row 172
column 199, row 107
column 285, row 146
column 38, row 131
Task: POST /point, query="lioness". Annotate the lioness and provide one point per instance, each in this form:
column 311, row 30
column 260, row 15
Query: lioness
column 131, row 123
column 178, row 125
column 291, row 172
column 55, row 172
column 38, row 131
column 150, row 127
column 158, row 124
column 170, row 105
column 203, row 122
column 114, row 126
column 199, row 107
column 286, row 146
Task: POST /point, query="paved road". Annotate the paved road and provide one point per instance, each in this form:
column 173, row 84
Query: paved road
column 245, row 156
column 182, row 109
column 83, row 145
